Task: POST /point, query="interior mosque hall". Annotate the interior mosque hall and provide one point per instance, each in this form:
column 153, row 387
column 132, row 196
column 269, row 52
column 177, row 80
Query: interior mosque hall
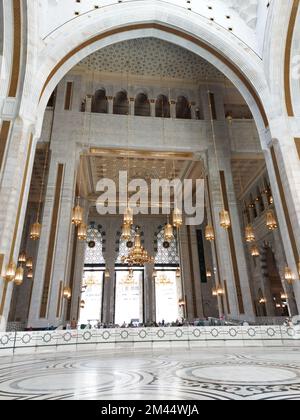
column 98, row 96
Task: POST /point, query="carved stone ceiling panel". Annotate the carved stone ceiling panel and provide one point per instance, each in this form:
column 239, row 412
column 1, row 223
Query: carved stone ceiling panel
column 153, row 58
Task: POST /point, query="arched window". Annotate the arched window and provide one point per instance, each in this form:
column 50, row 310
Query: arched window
column 166, row 256
column 162, row 107
column 183, row 108
column 95, row 246
column 142, row 106
column 99, row 103
column 121, row 104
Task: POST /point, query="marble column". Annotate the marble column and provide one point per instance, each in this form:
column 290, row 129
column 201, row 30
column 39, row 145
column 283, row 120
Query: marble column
column 153, row 107
column 55, row 247
column 110, row 100
column 173, row 109
column 14, row 189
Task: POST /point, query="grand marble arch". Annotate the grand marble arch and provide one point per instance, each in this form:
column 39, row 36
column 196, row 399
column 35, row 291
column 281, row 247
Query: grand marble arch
column 42, row 60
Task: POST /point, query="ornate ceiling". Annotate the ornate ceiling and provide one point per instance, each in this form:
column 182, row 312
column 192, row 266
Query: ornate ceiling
column 153, row 58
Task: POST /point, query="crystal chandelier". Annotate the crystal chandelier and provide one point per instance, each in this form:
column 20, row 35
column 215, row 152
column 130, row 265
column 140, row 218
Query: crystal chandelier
column 209, row 233
column 168, row 233
column 225, row 219
column 82, row 232
column 177, row 218
column 255, row 251
column 271, row 221
column 249, row 234
column 138, row 255
column 19, row 276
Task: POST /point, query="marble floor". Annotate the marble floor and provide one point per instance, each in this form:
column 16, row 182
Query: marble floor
column 214, row 374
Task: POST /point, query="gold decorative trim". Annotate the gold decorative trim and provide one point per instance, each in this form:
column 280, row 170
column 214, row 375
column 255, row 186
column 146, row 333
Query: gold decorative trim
column 297, row 142
column 60, row 292
column 4, row 132
column 285, row 206
column 232, row 247
column 52, row 240
column 16, row 62
column 287, row 59
column 161, row 155
column 172, row 31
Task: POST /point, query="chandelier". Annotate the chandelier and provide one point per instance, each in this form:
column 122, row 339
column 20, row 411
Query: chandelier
column 77, row 215
column 177, row 218
column 271, row 221
column 209, row 233
column 288, row 275
column 168, row 233
column 67, row 293
column 35, row 231
column 255, row 251
column 82, row 232
column 249, row 234
column 138, row 255
column 225, row 219
column 126, row 232
column 19, row 276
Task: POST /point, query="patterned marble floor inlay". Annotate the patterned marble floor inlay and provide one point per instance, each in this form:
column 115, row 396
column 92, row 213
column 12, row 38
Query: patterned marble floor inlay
column 217, row 374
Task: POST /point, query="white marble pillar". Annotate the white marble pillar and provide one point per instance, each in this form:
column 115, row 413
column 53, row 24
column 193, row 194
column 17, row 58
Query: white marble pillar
column 110, row 100
column 153, row 108
column 14, row 188
column 173, row 109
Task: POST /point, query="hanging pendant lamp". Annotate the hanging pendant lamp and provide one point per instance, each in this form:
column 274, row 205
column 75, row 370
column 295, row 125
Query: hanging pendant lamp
column 255, row 251
column 249, row 234
column 126, row 232
column 225, row 222
column 30, row 274
column 271, row 221
column 35, row 231
column 209, row 233
column 29, row 263
column 77, row 215
column 10, row 272
column 168, row 233
column 82, row 232
column 177, row 218
column 288, row 275
column 22, row 258
column 19, row 276
column 128, row 217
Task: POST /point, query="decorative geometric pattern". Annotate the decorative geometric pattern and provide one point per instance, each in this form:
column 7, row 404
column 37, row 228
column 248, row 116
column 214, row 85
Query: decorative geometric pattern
column 151, row 57
column 166, row 256
column 94, row 255
column 218, row 375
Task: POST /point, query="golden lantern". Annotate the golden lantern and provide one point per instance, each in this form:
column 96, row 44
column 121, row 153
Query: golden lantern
column 10, row 272
column 29, row 263
column 82, row 232
column 35, row 231
column 288, row 275
column 271, row 220
column 220, row 291
column 67, row 293
column 214, row 292
column 255, row 251
column 168, row 234
column 126, row 232
column 225, row 219
column 208, row 274
column 249, row 234
column 77, row 215
column 22, row 258
column 82, row 304
column 30, row 274
column 107, row 274
column 177, row 218
column 262, row 301
column 178, row 273
column 128, row 217
column 283, row 296
column 19, row 276
column 209, row 233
